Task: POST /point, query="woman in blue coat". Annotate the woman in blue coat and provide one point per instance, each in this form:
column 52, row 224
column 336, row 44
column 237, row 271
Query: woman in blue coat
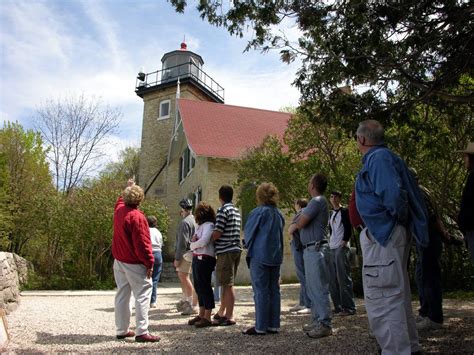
column 263, row 238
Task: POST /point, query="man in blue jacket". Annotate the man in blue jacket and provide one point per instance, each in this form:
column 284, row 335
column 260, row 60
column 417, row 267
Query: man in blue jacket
column 392, row 208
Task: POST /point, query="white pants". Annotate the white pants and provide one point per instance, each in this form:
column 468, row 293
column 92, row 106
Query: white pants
column 131, row 278
column 387, row 292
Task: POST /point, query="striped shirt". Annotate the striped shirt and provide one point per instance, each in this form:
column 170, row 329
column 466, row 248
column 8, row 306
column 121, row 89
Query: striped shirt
column 228, row 223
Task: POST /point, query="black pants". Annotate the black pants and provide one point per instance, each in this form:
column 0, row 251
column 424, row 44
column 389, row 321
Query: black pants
column 428, row 279
column 203, row 266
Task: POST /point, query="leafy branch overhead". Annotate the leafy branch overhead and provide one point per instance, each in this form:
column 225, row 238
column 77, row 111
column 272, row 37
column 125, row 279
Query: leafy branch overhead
column 393, row 55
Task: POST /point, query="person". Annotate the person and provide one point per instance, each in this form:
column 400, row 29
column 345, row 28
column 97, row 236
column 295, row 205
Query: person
column 204, row 263
column 304, row 304
column 217, row 288
column 340, row 281
column 391, row 207
column 263, row 239
column 466, row 212
column 312, row 225
column 183, row 257
column 133, row 264
column 226, row 237
column 157, row 243
column 428, row 268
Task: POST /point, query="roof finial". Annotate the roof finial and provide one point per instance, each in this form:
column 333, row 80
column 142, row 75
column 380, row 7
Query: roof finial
column 183, row 44
column 178, row 90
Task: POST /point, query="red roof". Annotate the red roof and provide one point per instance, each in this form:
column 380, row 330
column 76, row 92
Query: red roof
column 226, row 131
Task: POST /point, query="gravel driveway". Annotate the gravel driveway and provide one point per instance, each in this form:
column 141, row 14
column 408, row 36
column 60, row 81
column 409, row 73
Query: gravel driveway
column 84, row 322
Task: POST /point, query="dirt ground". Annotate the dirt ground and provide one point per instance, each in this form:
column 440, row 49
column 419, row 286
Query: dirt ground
column 84, row 322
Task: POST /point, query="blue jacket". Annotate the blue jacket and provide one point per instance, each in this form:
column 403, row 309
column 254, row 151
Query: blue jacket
column 263, row 235
column 387, row 194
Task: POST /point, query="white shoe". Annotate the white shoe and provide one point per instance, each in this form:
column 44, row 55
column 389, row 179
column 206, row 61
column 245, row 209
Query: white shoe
column 153, row 305
column 296, row 308
column 304, row 311
column 428, row 324
column 188, row 309
column 180, row 305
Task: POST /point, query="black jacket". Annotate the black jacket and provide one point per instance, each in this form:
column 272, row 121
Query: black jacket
column 346, row 223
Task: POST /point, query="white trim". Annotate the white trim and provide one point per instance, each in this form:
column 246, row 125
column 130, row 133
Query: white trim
column 159, row 110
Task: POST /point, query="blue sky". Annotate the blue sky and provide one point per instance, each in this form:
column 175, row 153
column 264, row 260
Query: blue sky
column 50, row 49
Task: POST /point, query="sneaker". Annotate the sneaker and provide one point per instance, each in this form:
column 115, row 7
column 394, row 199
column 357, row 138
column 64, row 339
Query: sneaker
column 419, row 318
column 428, row 324
column 188, row 309
column 296, row 308
column 130, row 334
column 152, row 305
column 273, row 330
column 310, row 326
column 304, row 311
column 147, row 338
column 180, row 305
column 320, row 331
column 346, row 312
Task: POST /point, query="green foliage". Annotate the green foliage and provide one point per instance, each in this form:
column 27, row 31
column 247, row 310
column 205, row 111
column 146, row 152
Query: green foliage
column 308, row 149
column 153, row 207
column 394, row 54
column 67, row 237
column 26, row 186
column 126, row 167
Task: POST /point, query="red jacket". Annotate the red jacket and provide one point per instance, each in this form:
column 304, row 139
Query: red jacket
column 131, row 243
column 354, row 216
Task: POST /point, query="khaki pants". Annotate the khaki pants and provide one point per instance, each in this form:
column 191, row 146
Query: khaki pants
column 387, row 292
column 131, row 278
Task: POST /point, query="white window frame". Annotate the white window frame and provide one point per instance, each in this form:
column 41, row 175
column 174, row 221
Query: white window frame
column 185, row 174
column 160, row 117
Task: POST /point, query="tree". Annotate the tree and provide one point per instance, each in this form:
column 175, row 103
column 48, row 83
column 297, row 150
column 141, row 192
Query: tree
column 75, row 130
column 26, row 187
column 126, row 167
column 395, row 55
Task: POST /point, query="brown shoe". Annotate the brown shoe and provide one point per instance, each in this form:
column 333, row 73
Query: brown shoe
column 130, row 334
column 194, row 320
column 203, row 323
column 147, row 338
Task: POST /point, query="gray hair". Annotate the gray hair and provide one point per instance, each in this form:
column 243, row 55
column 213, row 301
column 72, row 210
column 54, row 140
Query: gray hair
column 372, row 130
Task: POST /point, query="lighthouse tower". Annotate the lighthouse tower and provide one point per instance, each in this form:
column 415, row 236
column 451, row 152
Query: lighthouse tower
column 181, row 75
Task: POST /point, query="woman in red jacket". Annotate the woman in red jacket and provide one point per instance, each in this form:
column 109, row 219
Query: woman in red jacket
column 133, row 265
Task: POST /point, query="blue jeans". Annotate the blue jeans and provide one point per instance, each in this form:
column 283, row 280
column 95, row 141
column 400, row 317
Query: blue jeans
column 299, row 266
column 317, row 284
column 155, row 276
column 266, row 295
column 340, row 282
column 217, row 287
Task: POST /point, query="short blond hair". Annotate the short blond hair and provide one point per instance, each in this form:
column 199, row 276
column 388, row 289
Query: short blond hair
column 133, row 195
column 267, row 194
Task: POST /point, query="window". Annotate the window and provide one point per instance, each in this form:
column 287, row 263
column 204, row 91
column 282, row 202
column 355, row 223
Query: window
column 186, row 164
column 164, row 109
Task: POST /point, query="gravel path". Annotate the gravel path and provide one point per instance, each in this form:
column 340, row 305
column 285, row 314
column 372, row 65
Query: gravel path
column 84, row 322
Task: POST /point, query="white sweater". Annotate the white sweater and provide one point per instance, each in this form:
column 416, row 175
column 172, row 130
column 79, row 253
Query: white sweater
column 203, row 244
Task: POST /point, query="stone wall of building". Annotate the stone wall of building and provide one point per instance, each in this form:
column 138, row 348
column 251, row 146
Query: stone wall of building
column 13, row 273
column 156, row 133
